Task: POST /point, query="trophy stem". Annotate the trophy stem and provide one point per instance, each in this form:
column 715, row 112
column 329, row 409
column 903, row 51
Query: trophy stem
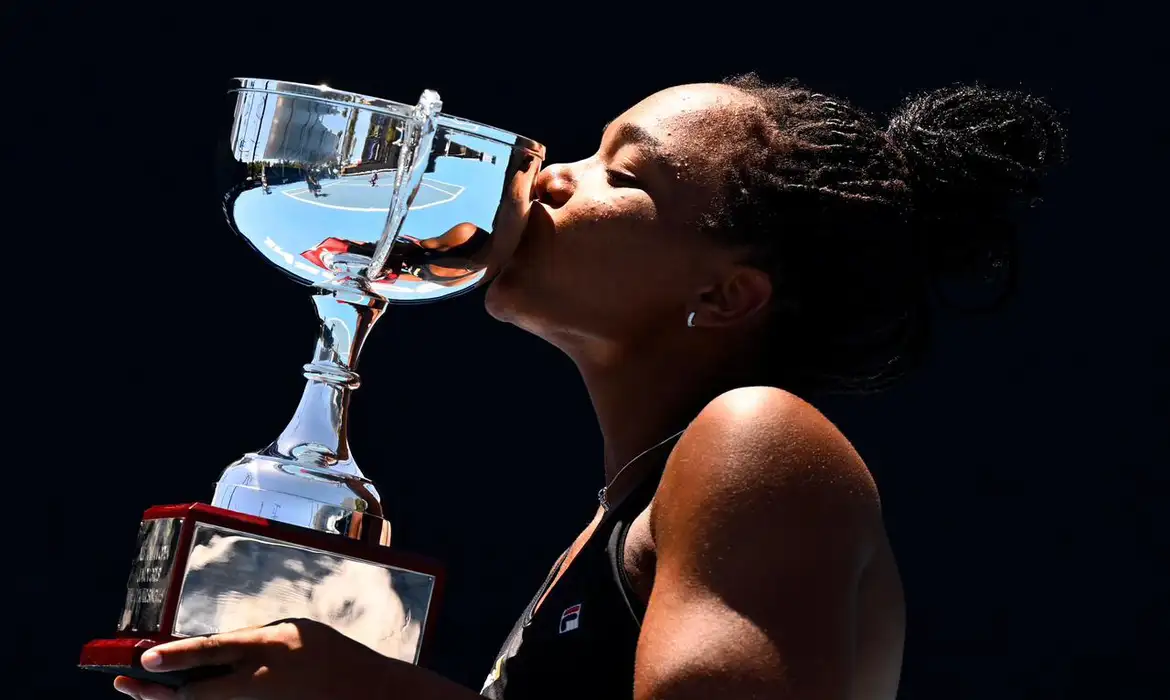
column 307, row 476
column 317, row 434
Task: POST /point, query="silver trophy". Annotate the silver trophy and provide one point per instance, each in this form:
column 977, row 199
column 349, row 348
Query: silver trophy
column 369, row 202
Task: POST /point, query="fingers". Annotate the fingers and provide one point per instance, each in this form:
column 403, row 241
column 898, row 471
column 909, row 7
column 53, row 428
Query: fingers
column 215, row 650
column 236, row 685
column 242, row 684
column 142, row 690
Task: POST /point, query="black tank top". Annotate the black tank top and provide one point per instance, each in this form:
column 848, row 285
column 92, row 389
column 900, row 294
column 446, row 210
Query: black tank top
column 582, row 640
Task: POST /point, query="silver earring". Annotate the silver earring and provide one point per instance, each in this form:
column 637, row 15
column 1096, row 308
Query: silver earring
column 691, row 320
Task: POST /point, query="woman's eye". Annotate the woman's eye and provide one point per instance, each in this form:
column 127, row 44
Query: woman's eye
column 619, row 179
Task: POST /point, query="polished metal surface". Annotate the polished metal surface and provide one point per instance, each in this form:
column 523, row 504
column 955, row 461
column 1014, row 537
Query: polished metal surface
column 307, row 476
column 235, row 579
column 372, row 203
column 401, row 202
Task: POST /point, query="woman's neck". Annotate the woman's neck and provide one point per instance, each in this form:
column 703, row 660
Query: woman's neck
column 640, row 404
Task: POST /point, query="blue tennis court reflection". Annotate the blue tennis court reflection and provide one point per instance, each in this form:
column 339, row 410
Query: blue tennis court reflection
column 323, row 204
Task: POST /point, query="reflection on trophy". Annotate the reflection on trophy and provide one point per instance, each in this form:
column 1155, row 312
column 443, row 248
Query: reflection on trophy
column 369, row 202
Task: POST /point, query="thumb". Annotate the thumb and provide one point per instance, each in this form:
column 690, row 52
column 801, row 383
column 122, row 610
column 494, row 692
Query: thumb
column 214, row 650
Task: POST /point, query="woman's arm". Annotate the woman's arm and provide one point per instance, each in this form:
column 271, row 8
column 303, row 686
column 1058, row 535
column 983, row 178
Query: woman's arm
column 410, row 682
column 762, row 524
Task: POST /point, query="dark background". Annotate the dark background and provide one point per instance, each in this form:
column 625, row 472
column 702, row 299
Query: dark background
column 1023, row 472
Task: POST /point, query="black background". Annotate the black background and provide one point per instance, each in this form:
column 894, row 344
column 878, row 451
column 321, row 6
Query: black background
column 1023, row 472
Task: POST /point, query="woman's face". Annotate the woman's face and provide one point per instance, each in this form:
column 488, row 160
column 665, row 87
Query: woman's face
column 610, row 251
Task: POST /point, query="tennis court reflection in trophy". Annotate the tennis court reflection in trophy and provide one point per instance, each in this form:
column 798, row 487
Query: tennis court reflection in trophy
column 370, row 203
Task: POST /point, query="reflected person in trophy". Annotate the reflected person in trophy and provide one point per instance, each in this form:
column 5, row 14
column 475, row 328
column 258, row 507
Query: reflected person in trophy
column 447, row 259
column 728, row 248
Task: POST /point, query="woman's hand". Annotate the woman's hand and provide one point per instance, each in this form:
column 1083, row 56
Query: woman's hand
column 295, row 660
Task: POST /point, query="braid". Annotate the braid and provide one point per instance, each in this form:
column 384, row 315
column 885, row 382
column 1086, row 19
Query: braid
column 845, row 217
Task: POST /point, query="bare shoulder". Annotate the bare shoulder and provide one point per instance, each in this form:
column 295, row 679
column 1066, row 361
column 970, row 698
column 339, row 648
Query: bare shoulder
column 768, row 447
column 764, row 525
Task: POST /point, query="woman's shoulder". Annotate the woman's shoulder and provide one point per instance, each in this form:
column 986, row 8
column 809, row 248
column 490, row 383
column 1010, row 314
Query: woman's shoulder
column 764, row 417
column 752, row 404
column 766, row 449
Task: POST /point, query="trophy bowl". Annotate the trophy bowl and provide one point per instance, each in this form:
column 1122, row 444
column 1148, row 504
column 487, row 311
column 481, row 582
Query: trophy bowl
column 369, row 203
column 349, row 191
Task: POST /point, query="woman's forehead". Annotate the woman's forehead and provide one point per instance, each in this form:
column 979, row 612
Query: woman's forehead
column 686, row 103
column 691, row 129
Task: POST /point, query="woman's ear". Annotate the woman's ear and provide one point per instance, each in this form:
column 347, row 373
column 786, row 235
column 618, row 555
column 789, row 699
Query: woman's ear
column 739, row 297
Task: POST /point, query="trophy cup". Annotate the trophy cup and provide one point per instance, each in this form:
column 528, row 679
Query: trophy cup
column 370, row 203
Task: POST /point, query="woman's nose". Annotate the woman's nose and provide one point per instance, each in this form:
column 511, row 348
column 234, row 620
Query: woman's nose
column 555, row 185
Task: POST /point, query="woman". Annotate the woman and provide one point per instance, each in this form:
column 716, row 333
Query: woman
column 728, row 248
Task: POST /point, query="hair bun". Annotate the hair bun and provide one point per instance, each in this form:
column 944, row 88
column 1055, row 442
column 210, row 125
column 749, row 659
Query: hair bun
column 974, row 147
column 974, row 155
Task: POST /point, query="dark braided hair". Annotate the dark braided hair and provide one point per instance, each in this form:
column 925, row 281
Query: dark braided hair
column 856, row 222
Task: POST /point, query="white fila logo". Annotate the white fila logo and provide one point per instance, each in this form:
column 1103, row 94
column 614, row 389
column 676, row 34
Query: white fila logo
column 570, row 618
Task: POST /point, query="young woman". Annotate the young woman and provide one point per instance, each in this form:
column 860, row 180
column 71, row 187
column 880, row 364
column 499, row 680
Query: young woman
column 729, row 248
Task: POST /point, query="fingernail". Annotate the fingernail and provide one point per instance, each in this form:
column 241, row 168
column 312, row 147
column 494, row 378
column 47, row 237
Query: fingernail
column 151, row 660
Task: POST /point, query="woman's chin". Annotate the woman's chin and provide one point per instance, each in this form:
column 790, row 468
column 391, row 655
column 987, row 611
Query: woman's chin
column 510, row 301
column 498, row 300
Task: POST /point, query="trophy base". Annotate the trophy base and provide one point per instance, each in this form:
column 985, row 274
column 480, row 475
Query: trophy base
column 201, row 570
column 122, row 657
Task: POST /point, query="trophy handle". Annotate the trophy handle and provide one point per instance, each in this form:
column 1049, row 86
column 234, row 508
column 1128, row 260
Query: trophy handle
column 416, row 148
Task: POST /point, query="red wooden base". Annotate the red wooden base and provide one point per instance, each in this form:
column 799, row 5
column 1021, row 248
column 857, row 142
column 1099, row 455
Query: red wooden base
column 121, row 657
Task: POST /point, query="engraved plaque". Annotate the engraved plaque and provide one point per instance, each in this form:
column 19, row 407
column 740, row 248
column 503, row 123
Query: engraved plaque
column 150, row 575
